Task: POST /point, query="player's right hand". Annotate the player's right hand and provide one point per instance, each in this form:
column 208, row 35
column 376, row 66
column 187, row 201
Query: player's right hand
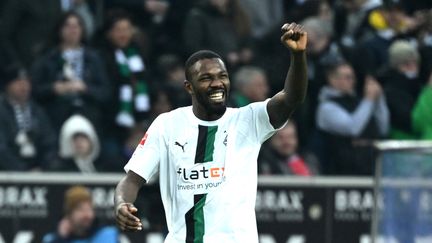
column 126, row 219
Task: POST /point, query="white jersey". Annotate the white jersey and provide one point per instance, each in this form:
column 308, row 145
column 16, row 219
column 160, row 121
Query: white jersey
column 207, row 172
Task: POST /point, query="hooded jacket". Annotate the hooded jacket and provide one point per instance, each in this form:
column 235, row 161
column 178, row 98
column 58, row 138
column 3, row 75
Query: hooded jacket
column 78, row 124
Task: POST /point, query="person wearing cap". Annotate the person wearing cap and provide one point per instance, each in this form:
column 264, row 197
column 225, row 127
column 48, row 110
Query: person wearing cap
column 78, row 223
column 27, row 141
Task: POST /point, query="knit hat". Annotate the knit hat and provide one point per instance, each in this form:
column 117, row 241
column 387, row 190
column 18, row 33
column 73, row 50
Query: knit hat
column 74, row 196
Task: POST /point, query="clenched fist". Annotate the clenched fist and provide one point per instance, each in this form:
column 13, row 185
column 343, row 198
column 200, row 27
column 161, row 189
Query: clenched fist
column 294, row 37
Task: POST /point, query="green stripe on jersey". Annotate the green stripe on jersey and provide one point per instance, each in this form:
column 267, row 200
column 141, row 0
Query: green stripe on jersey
column 211, row 136
column 199, row 219
column 195, row 223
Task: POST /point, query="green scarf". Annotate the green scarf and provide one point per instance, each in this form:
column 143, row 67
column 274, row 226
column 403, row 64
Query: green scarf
column 134, row 94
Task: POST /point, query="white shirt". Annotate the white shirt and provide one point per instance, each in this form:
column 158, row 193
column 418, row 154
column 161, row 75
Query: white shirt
column 208, row 192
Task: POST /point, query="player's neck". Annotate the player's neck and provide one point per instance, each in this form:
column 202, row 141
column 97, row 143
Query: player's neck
column 204, row 114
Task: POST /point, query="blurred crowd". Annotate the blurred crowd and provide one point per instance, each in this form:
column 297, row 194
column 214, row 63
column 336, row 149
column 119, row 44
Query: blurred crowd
column 81, row 80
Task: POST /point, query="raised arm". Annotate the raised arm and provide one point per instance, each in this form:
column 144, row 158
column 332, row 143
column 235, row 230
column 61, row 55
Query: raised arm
column 282, row 105
column 125, row 195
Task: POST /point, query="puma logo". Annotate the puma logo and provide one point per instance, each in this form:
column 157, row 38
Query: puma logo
column 181, row 146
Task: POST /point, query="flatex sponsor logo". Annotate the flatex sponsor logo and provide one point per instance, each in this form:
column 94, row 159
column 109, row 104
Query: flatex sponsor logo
column 200, row 173
column 28, row 201
column 353, row 205
column 201, row 178
column 281, row 206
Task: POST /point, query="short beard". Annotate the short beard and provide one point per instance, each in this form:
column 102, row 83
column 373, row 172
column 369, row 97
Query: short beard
column 218, row 110
column 211, row 109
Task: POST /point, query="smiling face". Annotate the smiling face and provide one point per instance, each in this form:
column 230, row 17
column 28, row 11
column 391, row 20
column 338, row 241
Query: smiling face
column 209, row 86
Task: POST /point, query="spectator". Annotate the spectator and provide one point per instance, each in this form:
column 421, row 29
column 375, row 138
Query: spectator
column 79, row 223
column 250, row 86
column 351, row 20
column 161, row 20
column 162, row 103
column 27, row 142
column 265, row 16
column 310, row 8
column 35, row 20
column 402, row 87
column 164, row 23
column 221, row 26
column 391, row 19
column 127, row 68
column 387, row 23
column 280, row 156
column 71, row 78
column 80, row 148
column 321, row 52
column 348, row 122
column 422, row 112
column 424, row 38
column 82, row 8
column 171, row 71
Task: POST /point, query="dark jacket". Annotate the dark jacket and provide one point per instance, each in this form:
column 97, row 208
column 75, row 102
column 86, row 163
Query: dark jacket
column 401, row 93
column 25, row 26
column 108, row 53
column 49, row 69
column 347, row 146
column 347, row 155
column 41, row 134
column 207, row 28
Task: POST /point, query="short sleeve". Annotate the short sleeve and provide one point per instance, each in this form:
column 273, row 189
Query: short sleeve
column 147, row 156
column 262, row 127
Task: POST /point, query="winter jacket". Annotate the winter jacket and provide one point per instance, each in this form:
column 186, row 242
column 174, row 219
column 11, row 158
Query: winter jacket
column 207, row 28
column 40, row 134
column 49, row 69
column 401, row 93
column 348, row 124
column 35, row 21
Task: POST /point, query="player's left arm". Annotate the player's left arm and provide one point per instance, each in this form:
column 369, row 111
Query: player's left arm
column 282, row 105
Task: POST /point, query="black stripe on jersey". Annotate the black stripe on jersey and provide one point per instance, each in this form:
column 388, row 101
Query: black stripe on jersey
column 201, row 145
column 190, row 219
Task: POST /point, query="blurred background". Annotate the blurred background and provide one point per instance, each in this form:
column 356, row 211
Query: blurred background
column 81, row 81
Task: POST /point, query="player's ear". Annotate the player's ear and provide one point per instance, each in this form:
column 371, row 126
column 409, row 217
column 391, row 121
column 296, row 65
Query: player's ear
column 188, row 87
